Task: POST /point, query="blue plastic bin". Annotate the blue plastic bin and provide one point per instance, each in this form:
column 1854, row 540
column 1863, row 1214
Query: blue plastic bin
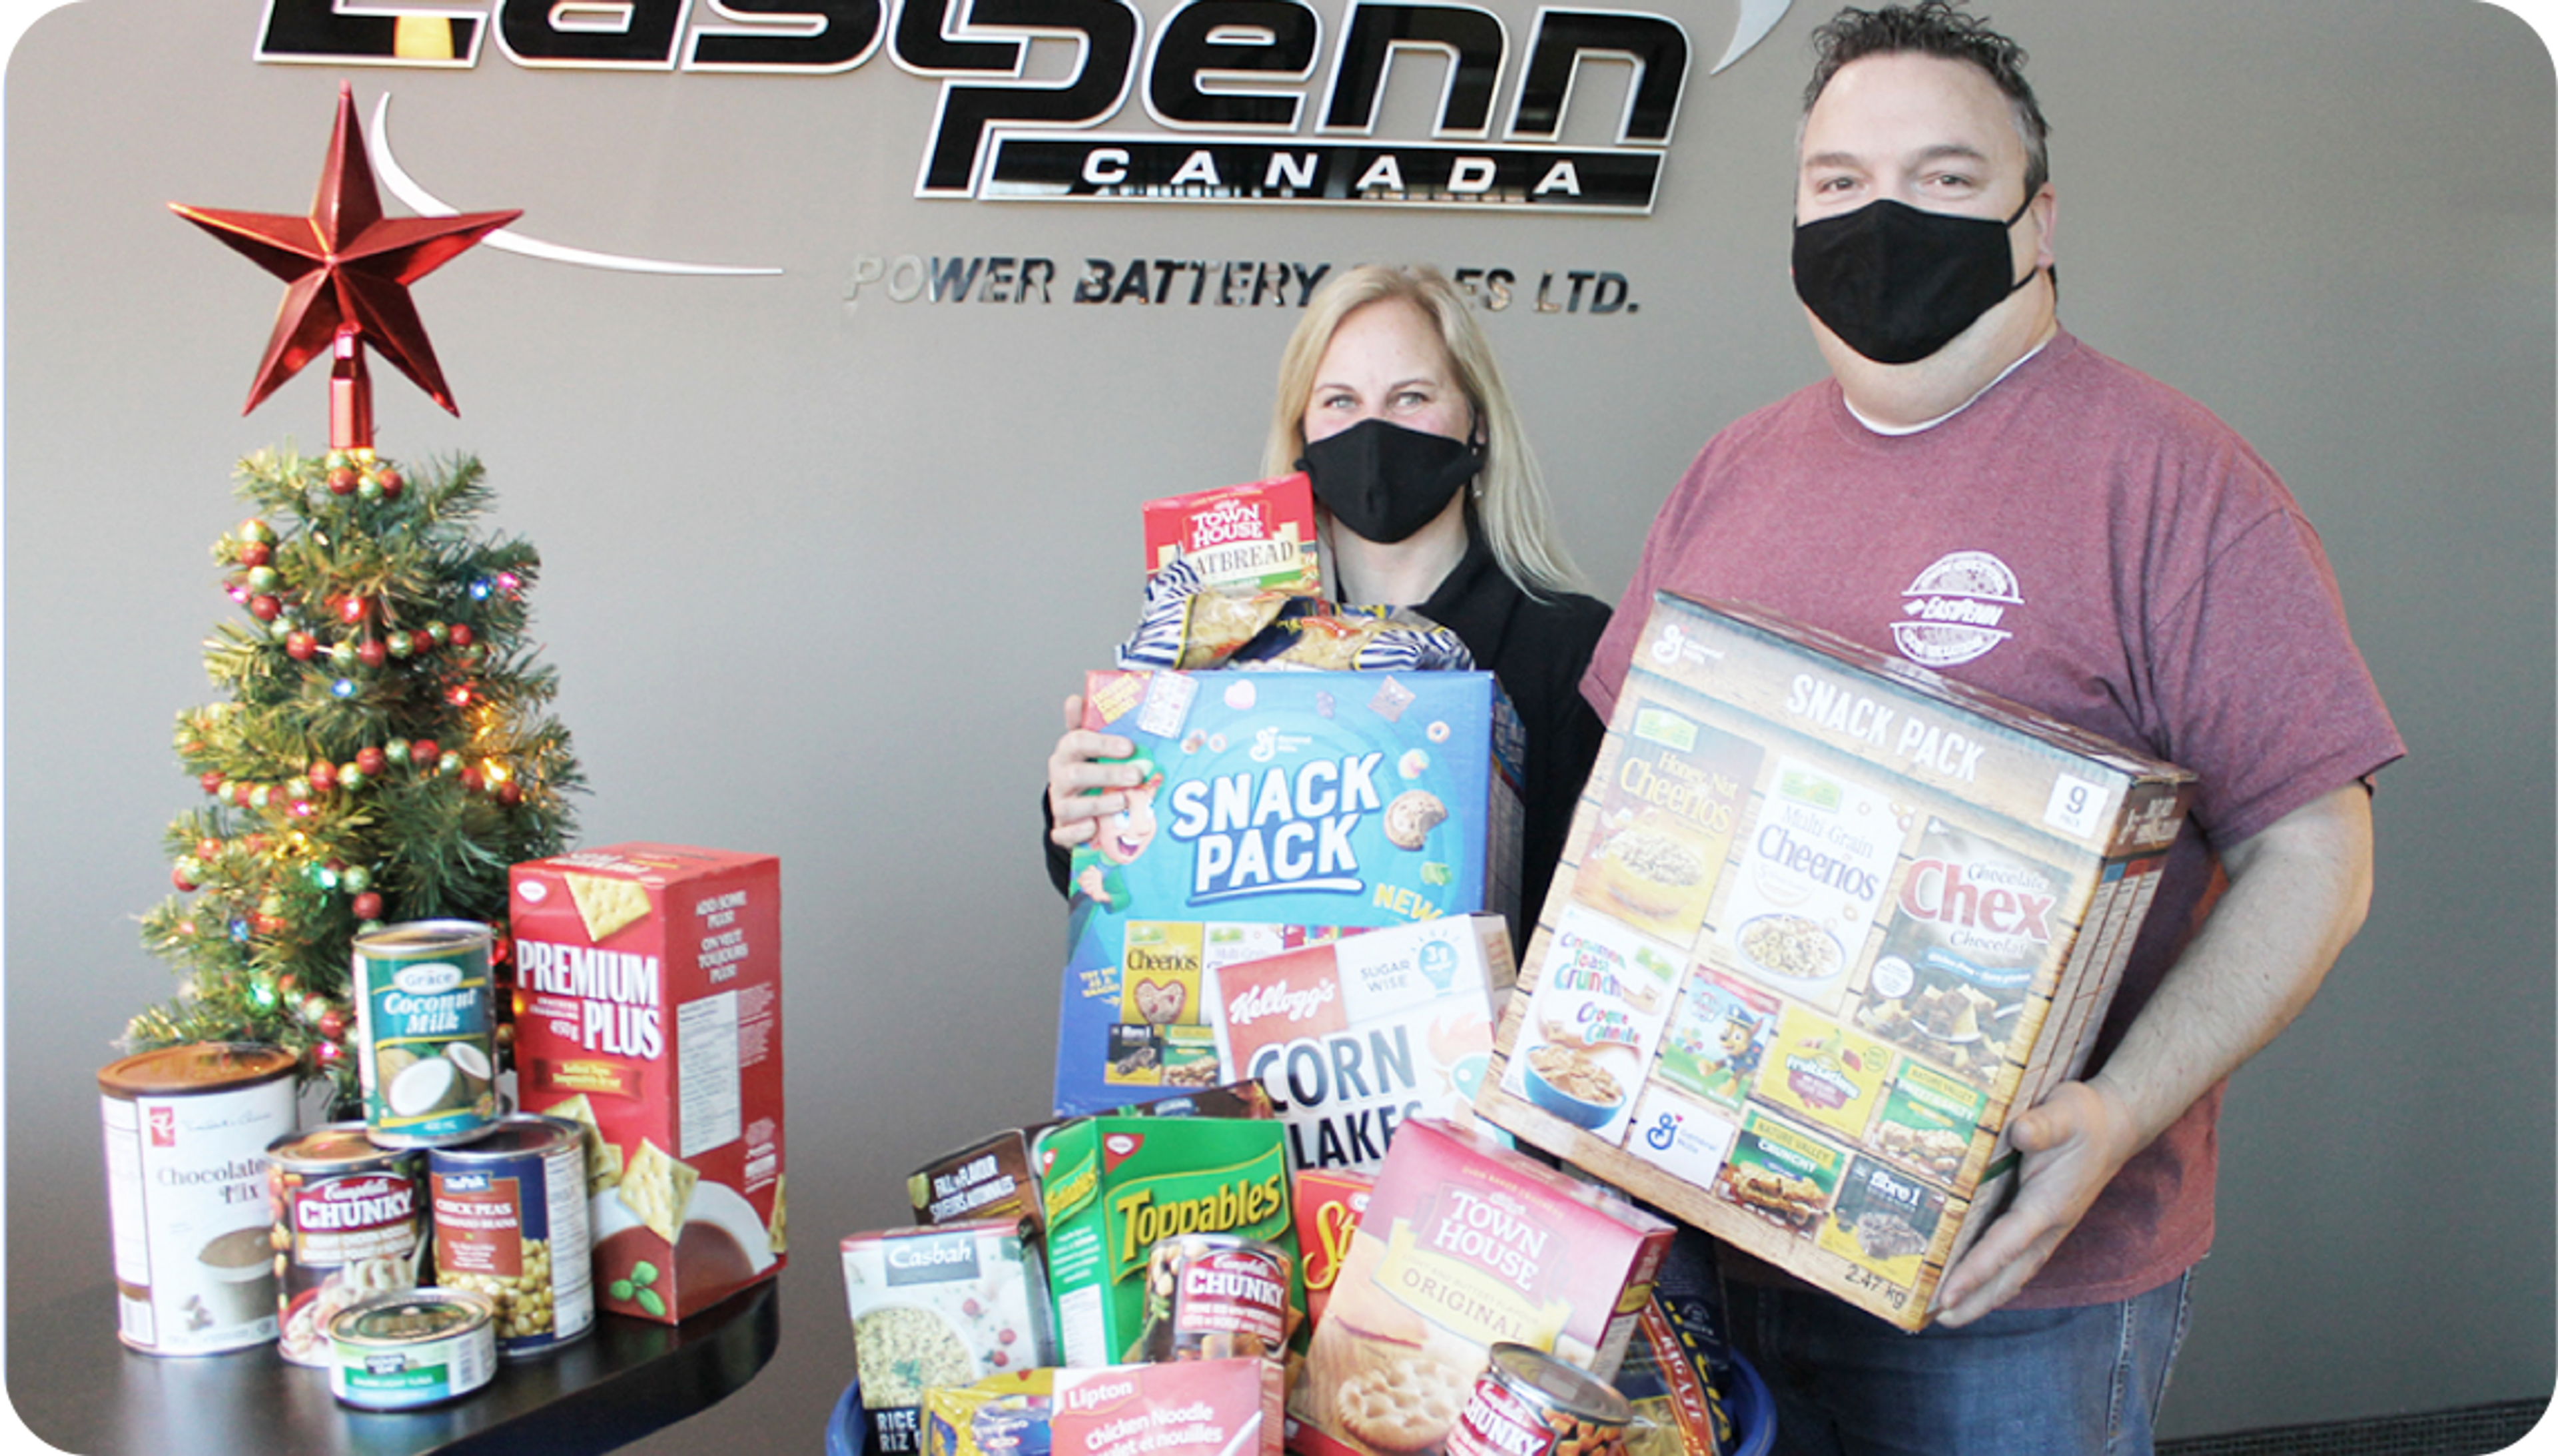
column 1754, row 1411
column 849, row 1430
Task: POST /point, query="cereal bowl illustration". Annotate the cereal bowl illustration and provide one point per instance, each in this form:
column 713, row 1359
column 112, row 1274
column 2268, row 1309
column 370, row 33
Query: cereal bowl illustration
column 1574, row 1084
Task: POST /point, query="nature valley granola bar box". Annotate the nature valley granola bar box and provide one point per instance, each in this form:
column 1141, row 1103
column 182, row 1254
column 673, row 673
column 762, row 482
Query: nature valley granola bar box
column 649, row 1009
column 1278, row 809
column 1113, row 1186
column 1355, row 1037
column 1824, row 923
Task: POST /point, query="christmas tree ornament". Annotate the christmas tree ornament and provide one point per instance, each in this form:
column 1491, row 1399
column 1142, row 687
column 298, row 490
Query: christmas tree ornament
column 398, row 645
column 254, row 553
column 395, row 750
column 301, row 647
column 424, row 753
column 266, row 609
column 372, row 652
column 347, row 270
column 368, row 906
column 350, row 610
column 356, row 879
column 370, row 761
column 459, row 634
column 257, row 532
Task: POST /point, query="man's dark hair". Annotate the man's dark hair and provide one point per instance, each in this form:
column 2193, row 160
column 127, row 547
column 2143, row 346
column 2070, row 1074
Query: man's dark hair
column 1936, row 27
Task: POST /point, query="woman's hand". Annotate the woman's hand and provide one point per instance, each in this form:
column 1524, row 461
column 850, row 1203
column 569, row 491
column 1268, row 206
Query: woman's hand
column 1082, row 789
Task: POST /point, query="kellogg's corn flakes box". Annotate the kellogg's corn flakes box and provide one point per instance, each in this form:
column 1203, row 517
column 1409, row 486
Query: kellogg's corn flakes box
column 1279, row 808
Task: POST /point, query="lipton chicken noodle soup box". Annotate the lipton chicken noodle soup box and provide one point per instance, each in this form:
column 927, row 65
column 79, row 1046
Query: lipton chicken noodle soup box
column 1277, row 808
column 648, row 1010
column 1823, row 923
column 1464, row 1245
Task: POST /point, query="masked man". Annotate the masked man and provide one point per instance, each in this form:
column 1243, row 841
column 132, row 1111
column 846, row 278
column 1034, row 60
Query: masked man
column 1976, row 490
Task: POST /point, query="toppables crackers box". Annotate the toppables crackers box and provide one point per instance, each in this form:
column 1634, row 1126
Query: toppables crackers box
column 1357, row 1036
column 1824, row 922
column 1113, row 1186
column 1277, row 809
column 1256, row 537
column 1466, row 1244
column 648, row 1008
column 991, row 1178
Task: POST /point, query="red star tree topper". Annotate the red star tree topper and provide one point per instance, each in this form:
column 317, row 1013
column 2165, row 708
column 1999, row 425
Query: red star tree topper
column 347, row 270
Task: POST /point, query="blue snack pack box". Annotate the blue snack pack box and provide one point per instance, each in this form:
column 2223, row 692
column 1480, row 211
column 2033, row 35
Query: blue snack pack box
column 1279, row 810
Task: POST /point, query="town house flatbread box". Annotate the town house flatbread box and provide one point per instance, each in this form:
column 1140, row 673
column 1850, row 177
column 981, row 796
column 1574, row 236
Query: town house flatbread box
column 1824, row 922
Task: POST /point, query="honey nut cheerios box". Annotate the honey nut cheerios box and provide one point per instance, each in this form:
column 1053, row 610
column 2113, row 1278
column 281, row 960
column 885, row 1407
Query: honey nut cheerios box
column 1278, row 809
column 1824, row 922
column 1465, row 1243
column 649, row 1009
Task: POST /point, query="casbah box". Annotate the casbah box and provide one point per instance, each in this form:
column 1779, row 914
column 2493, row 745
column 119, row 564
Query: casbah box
column 648, row 1008
column 1824, row 922
column 1355, row 1037
column 1278, row 808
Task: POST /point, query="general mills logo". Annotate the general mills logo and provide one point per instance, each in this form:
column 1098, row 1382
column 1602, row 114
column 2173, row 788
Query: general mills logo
column 1229, row 87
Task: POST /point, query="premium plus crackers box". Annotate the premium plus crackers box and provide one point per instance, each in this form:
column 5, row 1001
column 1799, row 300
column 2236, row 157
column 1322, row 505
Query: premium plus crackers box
column 1464, row 1245
column 1824, row 922
column 1356, row 1036
column 1278, row 808
column 1113, row 1186
column 648, row 1008
column 1253, row 537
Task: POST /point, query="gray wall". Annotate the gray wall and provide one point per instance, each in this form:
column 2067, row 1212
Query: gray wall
column 817, row 575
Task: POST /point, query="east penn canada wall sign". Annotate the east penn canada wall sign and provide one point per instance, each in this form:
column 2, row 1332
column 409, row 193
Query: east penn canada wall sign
column 1231, row 86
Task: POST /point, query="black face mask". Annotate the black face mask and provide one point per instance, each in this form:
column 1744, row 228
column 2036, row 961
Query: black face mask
column 1896, row 284
column 1384, row 481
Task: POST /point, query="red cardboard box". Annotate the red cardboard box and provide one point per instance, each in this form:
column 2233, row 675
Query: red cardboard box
column 649, row 1007
column 1246, row 538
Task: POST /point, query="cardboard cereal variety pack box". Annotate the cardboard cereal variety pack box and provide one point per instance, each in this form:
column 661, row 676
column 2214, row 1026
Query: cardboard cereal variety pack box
column 1278, row 808
column 1824, row 921
column 648, row 1008
column 1466, row 1244
column 1353, row 1037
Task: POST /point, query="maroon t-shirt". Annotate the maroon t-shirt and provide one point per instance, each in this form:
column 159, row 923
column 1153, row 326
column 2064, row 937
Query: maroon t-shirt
column 2089, row 542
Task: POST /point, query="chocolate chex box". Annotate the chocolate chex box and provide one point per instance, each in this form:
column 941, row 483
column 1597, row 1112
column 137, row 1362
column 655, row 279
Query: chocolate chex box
column 648, row 1008
column 1824, row 922
column 1278, row 808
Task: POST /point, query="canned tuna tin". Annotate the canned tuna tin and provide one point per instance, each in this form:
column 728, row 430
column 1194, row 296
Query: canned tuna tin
column 426, row 1032
column 1216, row 1296
column 393, row 1351
column 187, row 1129
column 349, row 1224
column 1526, row 1402
column 510, row 1225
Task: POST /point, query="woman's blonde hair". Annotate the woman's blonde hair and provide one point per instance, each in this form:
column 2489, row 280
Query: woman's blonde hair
column 1510, row 503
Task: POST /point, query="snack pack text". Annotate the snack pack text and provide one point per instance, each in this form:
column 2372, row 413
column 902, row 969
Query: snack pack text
column 617, row 992
column 1277, row 830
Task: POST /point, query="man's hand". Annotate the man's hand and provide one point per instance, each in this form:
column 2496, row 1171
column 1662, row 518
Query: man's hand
column 2073, row 1144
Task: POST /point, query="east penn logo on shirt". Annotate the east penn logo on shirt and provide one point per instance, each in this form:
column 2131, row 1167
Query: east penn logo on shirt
column 1232, row 85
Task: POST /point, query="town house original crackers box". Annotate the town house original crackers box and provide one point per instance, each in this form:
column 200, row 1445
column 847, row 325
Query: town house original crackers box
column 649, row 1007
column 1825, row 921
column 1278, row 808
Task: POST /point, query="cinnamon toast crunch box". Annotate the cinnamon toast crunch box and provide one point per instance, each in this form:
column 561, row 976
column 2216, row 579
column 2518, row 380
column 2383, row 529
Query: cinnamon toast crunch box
column 1824, row 923
column 649, row 1009
column 1279, row 810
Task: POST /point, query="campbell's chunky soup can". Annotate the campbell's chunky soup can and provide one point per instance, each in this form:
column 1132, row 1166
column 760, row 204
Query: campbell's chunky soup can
column 511, row 1226
column 426, row 1017
column 186, row 1132
column 1526, row 1402
column 1216, row 1296
column 351, row 1223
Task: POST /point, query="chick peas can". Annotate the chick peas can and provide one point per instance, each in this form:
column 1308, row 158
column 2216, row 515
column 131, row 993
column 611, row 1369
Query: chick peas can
column 1526, row 1402
column 511, row 1226
column 426, row 1018
column 397, row 1351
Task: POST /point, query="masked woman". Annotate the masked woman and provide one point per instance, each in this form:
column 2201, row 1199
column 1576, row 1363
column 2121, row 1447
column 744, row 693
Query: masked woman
column 1430, row 498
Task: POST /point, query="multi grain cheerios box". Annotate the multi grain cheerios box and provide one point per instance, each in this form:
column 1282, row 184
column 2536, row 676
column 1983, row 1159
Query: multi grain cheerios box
column 1279, row 808
column 1824, row 921
column 1466, row 1244
column 648, row 1008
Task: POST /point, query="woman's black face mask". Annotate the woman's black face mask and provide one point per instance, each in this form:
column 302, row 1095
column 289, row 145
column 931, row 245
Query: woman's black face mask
column 1383, row 482
column 1895, row 283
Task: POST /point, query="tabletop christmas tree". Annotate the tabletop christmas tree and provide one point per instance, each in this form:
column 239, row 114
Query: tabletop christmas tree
column 384, row 753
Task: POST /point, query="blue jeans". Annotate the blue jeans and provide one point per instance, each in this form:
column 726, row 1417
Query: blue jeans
column 2079, row 1381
